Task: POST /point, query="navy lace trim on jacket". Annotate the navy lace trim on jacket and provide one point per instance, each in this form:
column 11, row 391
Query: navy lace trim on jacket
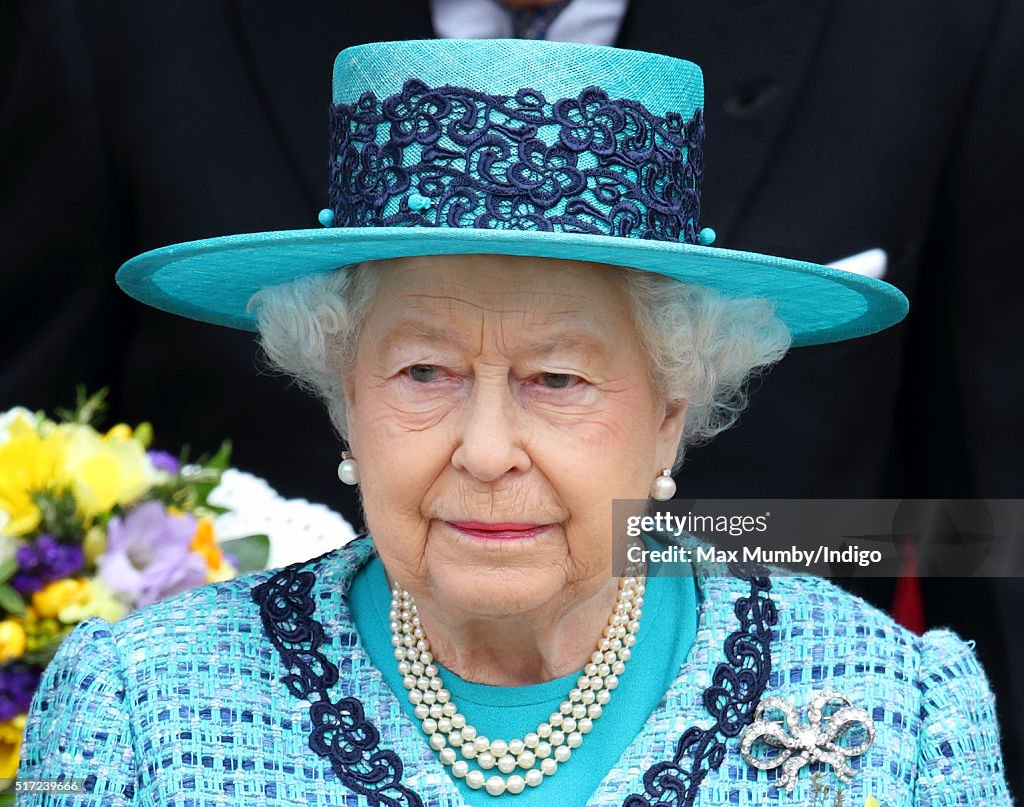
column 341, row 733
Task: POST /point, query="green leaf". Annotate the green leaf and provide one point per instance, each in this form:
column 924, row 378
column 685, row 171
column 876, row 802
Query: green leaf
column 144, row 434
column 89, row 409
column 8, row 568
column 251, row 551
column 222, row 459
column 208, row 477
column 207, row 510
column 200, row 476
column 183, row 455
column 43, row 655
column 188, row 490
column 10, row 600
column 58, row 513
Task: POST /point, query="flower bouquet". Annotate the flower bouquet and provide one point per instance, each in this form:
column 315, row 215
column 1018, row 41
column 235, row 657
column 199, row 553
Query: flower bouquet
column 95, row 523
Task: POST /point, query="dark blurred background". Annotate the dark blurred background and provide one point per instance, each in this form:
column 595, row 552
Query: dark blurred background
column 834, row 127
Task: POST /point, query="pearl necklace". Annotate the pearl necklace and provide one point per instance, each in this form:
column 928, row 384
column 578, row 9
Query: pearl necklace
column 539, row 753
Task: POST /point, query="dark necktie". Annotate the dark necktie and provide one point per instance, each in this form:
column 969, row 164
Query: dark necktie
column 533, row 23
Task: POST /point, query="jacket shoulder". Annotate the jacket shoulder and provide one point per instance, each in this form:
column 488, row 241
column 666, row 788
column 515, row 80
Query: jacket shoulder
column 809, row 601
column 217, row 607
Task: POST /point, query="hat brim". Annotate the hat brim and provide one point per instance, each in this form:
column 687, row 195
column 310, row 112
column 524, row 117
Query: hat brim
column 213, row 279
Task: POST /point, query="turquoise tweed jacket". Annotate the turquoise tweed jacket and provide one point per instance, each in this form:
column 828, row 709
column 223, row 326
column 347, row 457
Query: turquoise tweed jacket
column 258, row 691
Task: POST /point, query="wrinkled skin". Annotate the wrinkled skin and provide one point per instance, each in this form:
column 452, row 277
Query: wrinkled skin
column 504, row 389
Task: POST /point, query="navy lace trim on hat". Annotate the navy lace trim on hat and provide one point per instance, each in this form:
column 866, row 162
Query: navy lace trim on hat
column 454, row 157
column 342, row 734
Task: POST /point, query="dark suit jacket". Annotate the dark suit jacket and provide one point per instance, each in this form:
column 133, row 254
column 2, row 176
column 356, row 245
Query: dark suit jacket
column 833, row 126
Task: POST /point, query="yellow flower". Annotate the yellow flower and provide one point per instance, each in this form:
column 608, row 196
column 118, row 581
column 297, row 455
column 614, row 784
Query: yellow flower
column 94, row 544
column 225, row 572
column 12, row 639
column 101, row 602
column 104, row 471
column 29, row 462
column 11, row 732
column 49, row 602
column 871, row 801
column 204, row 543
column 41, row 633
column 122, row 431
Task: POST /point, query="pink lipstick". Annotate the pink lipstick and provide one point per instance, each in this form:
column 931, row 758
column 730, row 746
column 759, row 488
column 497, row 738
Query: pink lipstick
column 497, row 530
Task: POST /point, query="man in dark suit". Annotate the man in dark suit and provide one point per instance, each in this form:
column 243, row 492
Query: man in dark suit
column 835, row 127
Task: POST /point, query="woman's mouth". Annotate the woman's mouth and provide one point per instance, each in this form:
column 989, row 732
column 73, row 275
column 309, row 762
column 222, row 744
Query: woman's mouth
column 497, row 530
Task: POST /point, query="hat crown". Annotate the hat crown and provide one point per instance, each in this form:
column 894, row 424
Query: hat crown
column 504, row 66
column 508, row 134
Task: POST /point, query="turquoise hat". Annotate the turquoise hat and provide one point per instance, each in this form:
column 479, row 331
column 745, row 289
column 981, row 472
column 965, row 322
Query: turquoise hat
column 512, row 147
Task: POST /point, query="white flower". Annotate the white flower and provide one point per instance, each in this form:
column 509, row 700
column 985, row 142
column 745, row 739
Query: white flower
column 298, row 530
column 8, row 543
column 7, row 419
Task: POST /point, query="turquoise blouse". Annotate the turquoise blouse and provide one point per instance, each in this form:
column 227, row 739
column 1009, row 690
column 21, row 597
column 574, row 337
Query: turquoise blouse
column 259, row 690
column 667, row 628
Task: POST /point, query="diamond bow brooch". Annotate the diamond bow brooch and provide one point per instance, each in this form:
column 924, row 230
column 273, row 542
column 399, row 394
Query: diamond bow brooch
column 830, row 717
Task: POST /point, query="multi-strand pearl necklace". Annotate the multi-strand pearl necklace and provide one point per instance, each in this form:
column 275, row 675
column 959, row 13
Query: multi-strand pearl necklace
column 539, row 753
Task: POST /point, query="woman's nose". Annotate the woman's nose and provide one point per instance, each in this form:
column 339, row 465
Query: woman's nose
column 491, row 439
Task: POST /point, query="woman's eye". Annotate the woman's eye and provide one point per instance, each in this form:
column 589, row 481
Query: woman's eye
column 423, row 373
column 558, row 380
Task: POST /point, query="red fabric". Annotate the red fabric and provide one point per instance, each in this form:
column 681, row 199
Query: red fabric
column 907, row 603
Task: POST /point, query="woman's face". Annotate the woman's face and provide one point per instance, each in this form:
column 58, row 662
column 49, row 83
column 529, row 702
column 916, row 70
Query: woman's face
column 497, row 406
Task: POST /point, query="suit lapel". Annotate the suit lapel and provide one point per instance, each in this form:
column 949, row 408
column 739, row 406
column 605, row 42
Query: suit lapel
column 755, row 55
column 289, row 62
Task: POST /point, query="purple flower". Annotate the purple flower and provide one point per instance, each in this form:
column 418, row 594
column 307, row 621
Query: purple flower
column 44, row 561
column 163, row 461
column 148, row 555
column 18, row 683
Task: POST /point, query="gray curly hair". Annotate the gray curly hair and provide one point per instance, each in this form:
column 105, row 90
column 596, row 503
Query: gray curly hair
column 702, row 346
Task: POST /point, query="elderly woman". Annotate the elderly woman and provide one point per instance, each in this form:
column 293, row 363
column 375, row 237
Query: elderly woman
column 514, row 320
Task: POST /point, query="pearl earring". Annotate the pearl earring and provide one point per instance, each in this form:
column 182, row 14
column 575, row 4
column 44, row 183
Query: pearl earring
column 348, row 471
column 664, row 487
